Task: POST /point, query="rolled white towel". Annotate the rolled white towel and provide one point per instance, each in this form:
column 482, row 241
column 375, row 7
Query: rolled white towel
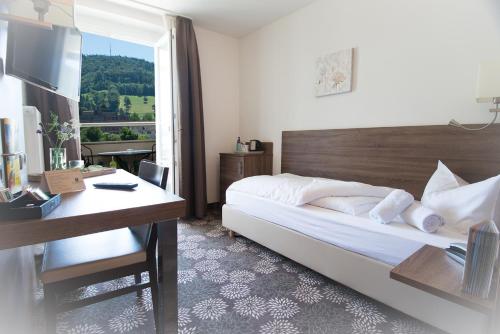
column 391, row 207
column 422, row 218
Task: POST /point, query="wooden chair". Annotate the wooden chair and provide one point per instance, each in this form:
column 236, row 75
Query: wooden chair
column 76, row 262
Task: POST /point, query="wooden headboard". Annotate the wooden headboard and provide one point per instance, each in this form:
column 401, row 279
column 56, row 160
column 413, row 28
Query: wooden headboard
column 400, row 157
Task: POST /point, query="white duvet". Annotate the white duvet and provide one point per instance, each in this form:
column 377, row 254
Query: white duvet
column 299, row 190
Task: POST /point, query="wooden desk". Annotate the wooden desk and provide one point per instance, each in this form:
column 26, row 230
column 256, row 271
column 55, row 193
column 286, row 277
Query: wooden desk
column 431, row 270
column 97, row 210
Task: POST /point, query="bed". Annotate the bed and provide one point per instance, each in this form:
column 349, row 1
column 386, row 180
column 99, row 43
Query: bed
column 351, row 251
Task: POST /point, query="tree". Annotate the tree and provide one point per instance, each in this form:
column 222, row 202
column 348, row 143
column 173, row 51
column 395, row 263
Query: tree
column 93, row 134
column 127, row 134
column 134, row 117
column 127, row 103
column 114, row 99
column 149, row 117
column 101, row 101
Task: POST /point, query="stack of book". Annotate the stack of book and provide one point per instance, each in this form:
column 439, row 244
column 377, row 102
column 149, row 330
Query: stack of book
column 5, row 195
column 482, row 253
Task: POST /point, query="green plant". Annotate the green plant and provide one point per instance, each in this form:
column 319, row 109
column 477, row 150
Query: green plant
column 58, row 133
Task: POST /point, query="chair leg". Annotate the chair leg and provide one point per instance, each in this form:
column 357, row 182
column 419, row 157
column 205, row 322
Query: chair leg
column 50, row 310
column 138, row 280
column 153, row 279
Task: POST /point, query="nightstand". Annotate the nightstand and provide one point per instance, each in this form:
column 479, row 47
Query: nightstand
column 429, row 269
column 236, row 166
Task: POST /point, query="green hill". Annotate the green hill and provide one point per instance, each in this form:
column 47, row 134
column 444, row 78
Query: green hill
column 108, row 80
column 131, row 76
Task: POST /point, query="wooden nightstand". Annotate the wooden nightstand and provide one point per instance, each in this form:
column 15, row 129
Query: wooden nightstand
column 236, row 166
column 431, row 270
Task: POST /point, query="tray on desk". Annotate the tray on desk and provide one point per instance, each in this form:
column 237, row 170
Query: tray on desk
column 25, row 207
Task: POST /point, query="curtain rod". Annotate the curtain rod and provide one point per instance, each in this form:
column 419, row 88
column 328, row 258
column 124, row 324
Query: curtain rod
column 163, row 10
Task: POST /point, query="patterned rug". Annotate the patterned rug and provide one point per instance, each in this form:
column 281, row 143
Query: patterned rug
column 237, row 286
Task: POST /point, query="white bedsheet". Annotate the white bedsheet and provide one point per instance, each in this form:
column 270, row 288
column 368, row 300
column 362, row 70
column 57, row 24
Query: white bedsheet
column 390, row 244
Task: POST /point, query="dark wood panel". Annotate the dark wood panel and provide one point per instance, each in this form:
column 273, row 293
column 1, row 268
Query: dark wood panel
column 400, row 157
column 431, row 270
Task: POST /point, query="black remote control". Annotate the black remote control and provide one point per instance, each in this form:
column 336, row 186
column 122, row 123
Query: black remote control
column 119, row 186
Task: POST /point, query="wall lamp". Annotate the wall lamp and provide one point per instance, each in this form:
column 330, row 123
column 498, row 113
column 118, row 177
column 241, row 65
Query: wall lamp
column 488, row 91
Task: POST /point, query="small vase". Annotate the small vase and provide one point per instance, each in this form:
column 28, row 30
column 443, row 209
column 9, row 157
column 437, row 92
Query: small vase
column 57, row 158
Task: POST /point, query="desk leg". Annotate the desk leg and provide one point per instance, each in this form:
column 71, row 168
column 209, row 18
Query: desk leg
column 167, row 276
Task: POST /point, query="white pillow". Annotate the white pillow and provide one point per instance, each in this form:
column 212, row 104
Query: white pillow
column 462, row 205
column 353, row 206
column 443, row 179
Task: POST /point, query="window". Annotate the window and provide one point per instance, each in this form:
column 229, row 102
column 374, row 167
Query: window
column 117, row 91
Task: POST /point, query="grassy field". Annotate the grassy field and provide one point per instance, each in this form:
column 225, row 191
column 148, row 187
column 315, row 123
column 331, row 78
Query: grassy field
column 138, row 105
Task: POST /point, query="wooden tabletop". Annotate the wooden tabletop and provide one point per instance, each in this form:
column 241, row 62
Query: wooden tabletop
column 95, row 210
column 431, row 270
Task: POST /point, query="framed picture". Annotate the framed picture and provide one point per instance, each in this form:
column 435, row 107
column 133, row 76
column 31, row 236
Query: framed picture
column 334, row 73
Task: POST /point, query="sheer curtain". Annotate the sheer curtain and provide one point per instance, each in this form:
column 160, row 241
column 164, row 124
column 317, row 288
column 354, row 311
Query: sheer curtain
column 164, row 102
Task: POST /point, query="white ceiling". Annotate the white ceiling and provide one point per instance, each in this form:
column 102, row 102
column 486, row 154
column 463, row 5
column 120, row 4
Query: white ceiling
column 231, row 17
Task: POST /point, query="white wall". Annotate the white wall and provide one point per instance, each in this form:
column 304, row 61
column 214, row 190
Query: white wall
column 415, row 64
column 10, row 91
column 16, row 265
column 219, row 75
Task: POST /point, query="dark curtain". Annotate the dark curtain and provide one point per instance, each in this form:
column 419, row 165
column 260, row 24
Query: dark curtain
column 46, row 102
column 192, row 173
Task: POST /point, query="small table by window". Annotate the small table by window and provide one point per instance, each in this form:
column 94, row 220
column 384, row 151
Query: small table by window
column 127, row 165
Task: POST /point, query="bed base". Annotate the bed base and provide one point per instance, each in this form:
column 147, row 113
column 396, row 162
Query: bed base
column 361, row 273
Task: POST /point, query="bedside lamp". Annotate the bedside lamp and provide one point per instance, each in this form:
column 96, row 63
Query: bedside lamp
column 488, row 91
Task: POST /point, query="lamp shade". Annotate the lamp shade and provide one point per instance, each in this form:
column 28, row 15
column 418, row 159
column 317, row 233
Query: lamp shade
column 488, row 81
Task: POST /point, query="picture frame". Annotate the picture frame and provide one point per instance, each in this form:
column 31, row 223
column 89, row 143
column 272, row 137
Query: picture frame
column 334, row 73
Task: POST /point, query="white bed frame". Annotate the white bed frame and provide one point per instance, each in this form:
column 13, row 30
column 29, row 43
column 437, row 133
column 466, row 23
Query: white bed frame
column 361, row 273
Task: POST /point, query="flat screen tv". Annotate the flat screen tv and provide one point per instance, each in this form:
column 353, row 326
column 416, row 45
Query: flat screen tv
column 48, row 58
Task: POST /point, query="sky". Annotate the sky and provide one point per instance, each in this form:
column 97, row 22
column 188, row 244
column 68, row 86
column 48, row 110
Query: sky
column 98, row 45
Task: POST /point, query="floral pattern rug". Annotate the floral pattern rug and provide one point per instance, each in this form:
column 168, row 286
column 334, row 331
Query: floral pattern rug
column 237, row 286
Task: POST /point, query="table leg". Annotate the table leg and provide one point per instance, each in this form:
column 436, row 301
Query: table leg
column 167, row 276
column 122, row 164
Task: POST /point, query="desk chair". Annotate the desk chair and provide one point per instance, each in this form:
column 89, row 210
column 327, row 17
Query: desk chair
column 72, row 263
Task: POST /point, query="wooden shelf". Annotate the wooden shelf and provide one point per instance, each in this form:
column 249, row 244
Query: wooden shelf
column 431, row 270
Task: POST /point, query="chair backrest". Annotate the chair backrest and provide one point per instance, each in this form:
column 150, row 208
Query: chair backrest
column 153, row 173
column 157, row 175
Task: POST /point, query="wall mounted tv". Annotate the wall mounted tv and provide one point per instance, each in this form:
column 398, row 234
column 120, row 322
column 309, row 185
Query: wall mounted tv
column 48, row 58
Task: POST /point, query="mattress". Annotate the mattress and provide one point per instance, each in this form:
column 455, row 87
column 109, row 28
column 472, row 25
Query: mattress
column 391, row 243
